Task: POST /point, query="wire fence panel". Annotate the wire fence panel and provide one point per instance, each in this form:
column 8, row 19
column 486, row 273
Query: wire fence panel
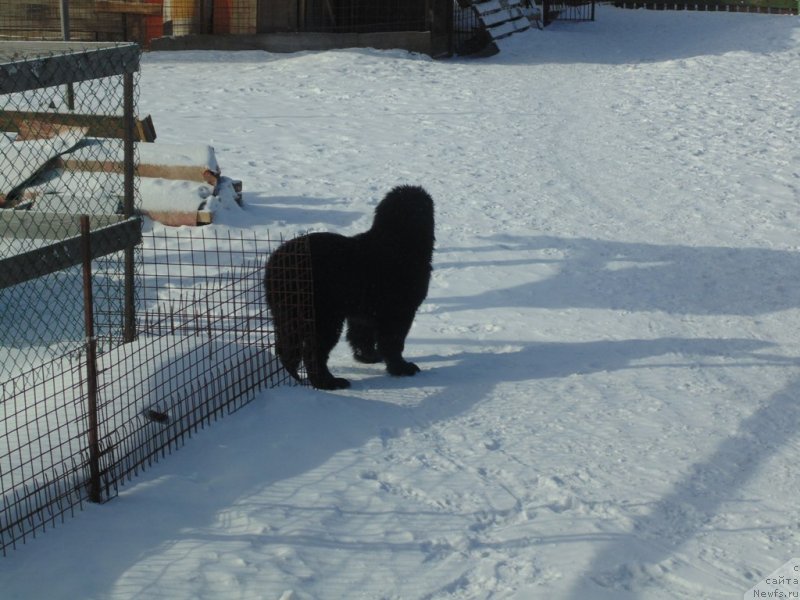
column 42, row 437
column 204, row 348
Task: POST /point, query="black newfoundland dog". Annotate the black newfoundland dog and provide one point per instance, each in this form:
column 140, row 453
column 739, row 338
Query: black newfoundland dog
column 375, row 281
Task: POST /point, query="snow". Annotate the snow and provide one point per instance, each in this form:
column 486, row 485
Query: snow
column 608, row 406
column 173, row 194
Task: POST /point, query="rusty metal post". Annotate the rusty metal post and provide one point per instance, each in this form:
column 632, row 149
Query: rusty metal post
column 91, row 363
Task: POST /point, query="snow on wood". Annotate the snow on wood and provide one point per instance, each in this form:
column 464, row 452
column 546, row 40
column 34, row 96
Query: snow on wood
column 170, row 161
column 493, row 19
column 509, row 27
column 502, row 17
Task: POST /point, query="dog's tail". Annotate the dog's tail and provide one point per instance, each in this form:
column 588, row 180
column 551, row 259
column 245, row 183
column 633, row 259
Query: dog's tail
column 289, row 296
column 289, row 347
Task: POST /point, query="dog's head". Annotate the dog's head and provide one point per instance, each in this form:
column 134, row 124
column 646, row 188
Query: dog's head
column 406, row 211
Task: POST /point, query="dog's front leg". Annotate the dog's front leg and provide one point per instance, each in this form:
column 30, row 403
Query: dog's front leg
column 392, row 334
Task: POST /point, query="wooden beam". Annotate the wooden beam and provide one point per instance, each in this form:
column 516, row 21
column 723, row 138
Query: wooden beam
column 30, row 224
column 33, row 65
column 128, row 8
column 68, row 253
column 181, row 218
column 103, row 126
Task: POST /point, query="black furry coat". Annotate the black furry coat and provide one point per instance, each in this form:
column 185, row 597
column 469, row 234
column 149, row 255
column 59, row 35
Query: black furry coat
column 374, row 281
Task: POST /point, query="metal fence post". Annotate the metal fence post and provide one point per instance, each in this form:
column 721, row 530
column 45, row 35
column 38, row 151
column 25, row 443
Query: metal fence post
column 129, row 323
column 91, row 364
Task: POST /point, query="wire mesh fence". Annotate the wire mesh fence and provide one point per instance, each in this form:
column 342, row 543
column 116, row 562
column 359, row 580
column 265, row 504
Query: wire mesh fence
column 567, row 10
column 71, row 431
column 205, row 346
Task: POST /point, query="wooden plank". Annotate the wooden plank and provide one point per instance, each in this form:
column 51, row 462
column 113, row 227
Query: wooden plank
column 502, row 16
column 128, row 8
column 68, row 253
column 181, row 218
column 508, row 28
column 189, row 162
column 102, row 126
column 486, row 7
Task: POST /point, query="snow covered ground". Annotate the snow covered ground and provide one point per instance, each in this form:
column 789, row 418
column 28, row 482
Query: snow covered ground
column 609, row 406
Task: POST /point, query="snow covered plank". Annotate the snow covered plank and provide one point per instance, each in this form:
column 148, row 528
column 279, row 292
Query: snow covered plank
column 483, row 8
column 189, row 162
column 177, row 202
column 509, row 27
column 496, row 18
column 178, row 161
column 502, row 18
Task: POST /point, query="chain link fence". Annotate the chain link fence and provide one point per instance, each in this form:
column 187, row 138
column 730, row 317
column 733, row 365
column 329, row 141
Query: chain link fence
column 66, row 149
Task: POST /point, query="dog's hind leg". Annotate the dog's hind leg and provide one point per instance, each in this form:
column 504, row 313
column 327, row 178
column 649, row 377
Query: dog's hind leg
column 317, row 351
column 362, row 338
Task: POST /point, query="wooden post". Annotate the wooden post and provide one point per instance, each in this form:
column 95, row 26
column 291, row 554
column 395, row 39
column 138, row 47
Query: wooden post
column 95, row 494
column 65, row 33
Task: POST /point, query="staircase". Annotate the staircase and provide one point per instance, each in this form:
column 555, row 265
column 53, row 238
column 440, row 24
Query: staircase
column 502, row 18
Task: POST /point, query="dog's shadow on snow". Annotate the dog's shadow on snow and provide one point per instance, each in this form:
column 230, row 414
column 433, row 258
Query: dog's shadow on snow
column 599, row 274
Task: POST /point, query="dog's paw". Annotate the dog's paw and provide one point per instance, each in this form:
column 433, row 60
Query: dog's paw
column 402, row 369
column 334, row 383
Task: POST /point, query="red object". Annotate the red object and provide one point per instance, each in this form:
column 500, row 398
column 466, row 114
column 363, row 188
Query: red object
column 222, row 16
column 153, row 26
